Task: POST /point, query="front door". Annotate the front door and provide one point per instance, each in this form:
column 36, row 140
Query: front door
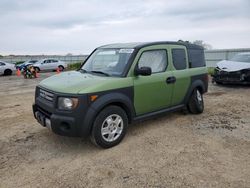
column 45, row 65
column 152, row 93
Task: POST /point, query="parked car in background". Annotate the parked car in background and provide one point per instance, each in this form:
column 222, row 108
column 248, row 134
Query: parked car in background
column 6, row 68
column 235, row 70
column 25, row 64
column 49, row 64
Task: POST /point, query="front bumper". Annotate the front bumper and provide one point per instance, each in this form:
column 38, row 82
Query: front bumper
column 239, row 77
column 59, row 124
column 75, row 123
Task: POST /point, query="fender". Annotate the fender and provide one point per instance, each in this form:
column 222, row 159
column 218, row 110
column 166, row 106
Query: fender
column 194, row 84
column 124, row 99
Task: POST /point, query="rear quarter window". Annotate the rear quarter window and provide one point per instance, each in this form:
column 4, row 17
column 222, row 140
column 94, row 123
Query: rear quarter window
column 196, row 58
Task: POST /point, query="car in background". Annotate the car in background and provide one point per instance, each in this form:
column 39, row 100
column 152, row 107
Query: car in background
column 25, row 64
column 49, row 64
column 233, row 71
column 6, row 68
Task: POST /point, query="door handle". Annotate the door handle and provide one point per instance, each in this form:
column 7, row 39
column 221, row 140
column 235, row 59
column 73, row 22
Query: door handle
column 171, row 80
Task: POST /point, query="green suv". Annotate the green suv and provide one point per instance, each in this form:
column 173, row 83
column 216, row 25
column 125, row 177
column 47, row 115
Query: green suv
column 119, row 84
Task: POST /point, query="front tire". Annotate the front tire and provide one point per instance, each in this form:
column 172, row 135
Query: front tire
column 7, row 72
column 196, row 103
column 109, row 127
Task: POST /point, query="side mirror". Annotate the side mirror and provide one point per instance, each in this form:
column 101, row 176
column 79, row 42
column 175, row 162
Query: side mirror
column 144, row 71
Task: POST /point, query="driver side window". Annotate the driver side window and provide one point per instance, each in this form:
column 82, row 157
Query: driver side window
column 155, row 59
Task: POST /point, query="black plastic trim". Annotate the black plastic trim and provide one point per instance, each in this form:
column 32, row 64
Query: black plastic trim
column 158, row 113
column 197, row 81
column 80, row 120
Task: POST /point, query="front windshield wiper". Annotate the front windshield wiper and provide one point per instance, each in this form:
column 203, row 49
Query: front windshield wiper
column 83, row 71
column 100, row 72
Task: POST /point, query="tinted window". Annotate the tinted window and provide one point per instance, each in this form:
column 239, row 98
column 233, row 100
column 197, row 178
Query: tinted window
column 179, row 59
column 196, row 58
column 155, row 59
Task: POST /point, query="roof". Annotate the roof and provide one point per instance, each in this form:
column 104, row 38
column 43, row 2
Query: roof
column 139, row 45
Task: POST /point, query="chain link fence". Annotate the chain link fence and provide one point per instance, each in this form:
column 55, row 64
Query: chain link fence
column 211, row 56
column 214, row 56
column 68, row 59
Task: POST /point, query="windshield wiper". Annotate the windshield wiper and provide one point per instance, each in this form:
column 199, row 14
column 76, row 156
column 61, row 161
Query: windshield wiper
column 100, row 72
column 83, row 71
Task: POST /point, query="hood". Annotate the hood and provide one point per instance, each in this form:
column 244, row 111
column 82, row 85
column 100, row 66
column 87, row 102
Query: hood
column 231, row 66
column 75, row 82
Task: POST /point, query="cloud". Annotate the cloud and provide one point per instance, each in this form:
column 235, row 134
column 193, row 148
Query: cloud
column 77, row 26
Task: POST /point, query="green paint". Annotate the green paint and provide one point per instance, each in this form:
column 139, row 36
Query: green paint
column 151, row 93
column 74, row 82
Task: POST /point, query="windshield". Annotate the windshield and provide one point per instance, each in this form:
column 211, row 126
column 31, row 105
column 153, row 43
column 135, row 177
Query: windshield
column 241, row 58
column 39, row 61
column 109, row 62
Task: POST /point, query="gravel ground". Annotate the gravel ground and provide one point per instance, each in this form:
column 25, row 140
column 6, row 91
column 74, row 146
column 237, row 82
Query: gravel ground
column 177, row 150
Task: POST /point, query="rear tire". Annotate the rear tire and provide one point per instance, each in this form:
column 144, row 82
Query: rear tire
column 109, row 127
column 7, row 72
column 196, row 103
column 61, row 68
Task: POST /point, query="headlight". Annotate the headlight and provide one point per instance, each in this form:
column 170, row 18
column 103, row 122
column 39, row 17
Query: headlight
column 65, row 103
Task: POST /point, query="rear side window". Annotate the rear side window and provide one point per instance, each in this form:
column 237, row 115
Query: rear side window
column 196, row 58
column 155, row 59
column 179, row 59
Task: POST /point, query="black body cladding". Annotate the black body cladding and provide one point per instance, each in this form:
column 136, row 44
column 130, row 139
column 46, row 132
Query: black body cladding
column 78, row 122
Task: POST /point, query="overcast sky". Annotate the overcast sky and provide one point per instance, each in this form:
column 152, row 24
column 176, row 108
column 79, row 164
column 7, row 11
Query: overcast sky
column 78, row 26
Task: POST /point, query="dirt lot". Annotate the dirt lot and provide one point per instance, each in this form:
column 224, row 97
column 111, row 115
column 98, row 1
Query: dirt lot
column 208, row 150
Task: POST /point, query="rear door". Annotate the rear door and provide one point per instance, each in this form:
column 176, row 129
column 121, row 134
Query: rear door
column 152, row 93
column 180, row 73
column 54, row 64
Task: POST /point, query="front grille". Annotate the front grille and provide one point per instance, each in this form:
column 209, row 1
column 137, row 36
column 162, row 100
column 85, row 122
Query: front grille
column 46, row 95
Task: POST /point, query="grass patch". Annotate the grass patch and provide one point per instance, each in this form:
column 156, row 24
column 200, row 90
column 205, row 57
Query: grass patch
column 210, row 70
column 74, row 66
column 19, row 62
